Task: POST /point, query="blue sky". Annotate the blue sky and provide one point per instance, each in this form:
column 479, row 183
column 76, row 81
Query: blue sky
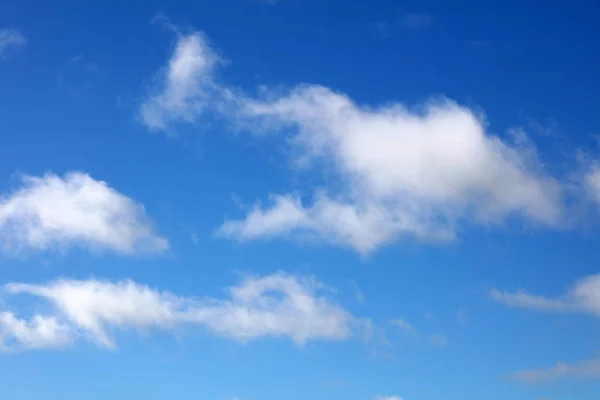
column 295, row 199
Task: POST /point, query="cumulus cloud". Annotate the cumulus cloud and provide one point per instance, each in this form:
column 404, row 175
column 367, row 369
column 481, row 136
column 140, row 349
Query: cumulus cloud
column 10, row 38
column 361, row 227
column 277, row 305
column 50, row 212
column 587, row 369
column 403, row 172
column 185, row 85
column 583, row 297
column 300, row 313
column 398, row 170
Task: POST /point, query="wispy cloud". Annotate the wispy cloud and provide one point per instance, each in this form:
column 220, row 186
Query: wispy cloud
column 435, row 339
column 55, row 213
column 277, row 305
column 10, row 38
column 592, row 183
column 583, row 297
column 587, row 369
column 78, row 74
column 185, row 86
column 522, row 299
column 360, row 296
column 404, row 326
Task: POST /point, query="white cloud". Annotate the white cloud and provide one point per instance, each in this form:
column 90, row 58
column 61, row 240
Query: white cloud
column 583, row 297
column 388, row 398
column 360, row 296
column 254, row 312
column 10, row 38
column 362, row 228
column 522, row 299
column 277, row 305
column 399, row 171
column 74, row 210
column 589, row 369
column 411, row 172
column 93, row 307
column 37, row 333
column 186, row 85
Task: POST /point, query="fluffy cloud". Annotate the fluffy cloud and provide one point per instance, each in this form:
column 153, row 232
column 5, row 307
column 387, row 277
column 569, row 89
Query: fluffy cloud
column 361, row 227
column 583, row 369
column 74, row 210
column 388, row 398
column 299, row 312
column 403, row 172
column 10, row 38
column 399, row 171
column 186, row 85
column 93, row 307
column 38, row 332
column 277, row 305
column 582, row 297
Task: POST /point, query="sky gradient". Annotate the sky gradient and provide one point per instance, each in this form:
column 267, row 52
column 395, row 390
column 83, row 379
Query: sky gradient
column 299, row 199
